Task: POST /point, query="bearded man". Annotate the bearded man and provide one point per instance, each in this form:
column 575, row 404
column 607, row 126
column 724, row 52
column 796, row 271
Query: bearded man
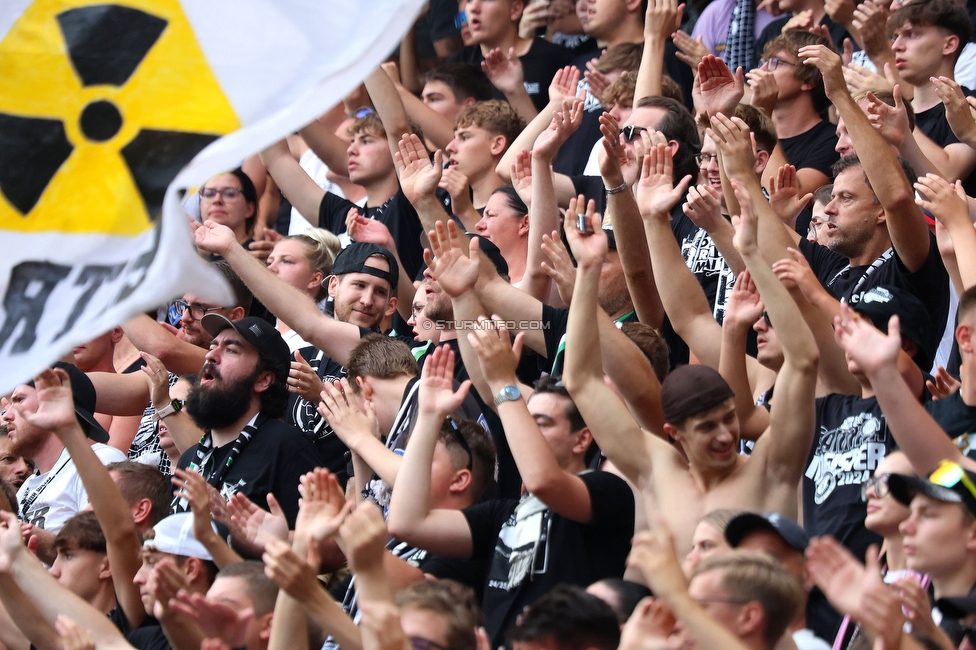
column 237, row 399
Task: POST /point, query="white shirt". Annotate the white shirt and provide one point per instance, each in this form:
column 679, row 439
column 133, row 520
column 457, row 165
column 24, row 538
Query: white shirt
column 64, row 496
column 806, row 640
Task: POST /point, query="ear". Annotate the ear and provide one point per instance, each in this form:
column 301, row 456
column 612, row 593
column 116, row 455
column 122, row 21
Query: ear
column 461, row 481
column 333, row 286
column 264, row 381
column 762, row 159
column 517, row 7
column 672, row 432
column 365, row 387
column 117, row 335
column 141, row 511
column 104, row 570
column 499, row 144
column 674, row 146
column 316, row 281
column 470, row 101
column 391, row 306
column 951, row 45
column 964, row 336
column 523, row 229
column 583, row 441
column 264, row 627
column 634, row 6
column 750, row 620
column 193, row 570
column 236, row 313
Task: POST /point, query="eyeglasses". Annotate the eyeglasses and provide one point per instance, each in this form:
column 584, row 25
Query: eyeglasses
column 196, row 311
column 631, row 131
column 774, row 62
column 462, row 442
column 877, row 483
column 766, row 320
column 229, row 193
column 705, row 159
column 948, row 474
column 814, row 224
column 420, row 643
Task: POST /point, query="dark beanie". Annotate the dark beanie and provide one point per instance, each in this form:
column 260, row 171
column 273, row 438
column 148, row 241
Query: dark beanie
column 692, row 390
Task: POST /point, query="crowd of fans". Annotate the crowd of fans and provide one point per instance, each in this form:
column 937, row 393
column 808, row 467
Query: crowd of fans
column 612, row 324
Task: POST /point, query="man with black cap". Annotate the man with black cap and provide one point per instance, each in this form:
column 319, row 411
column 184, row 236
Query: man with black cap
column 785, row 540
column 54, row 493
column 237, row 399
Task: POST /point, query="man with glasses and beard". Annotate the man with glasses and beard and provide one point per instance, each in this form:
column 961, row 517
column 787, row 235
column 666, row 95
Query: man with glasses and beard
column 237, row 399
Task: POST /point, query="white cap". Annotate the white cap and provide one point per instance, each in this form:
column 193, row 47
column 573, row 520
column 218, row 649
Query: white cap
column 174, row 535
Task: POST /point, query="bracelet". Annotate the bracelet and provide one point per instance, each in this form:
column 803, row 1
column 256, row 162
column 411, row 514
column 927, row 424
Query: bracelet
column 616, row 190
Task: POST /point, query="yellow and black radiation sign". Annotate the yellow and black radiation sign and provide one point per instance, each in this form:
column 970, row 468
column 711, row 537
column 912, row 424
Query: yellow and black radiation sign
column 101, row 105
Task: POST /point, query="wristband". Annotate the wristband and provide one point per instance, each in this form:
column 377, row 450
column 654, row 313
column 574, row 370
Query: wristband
column 616, row 190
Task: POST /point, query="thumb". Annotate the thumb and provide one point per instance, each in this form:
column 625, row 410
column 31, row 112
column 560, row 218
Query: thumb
column 871, row 561
column 300, row 359
column 517, row 344
column 274, row 506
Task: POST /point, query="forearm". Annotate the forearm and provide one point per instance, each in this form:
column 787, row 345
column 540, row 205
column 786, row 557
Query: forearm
column 289, row 629
column 526, row 139
column 543, row 220
column 296, row 185
column 330, row 148
column 386, row 99
column 632, row 374
column 651, row 72
column 499, row 297
column 176, row 354
column 382, row 461
column 328, row 614
column 183, row 430
column 437, row 128
column 430, row 211
column 635, row 259
column 963, row 237
column 912, row 152
column 732, row 367
column 182, row 632
column 409, row 67
column 819, row 317
column 468, row 308
column 410, row 501
column 522, row 103
column 774, row 236
column 30, row 628
column 223, row 555
column 722, row 234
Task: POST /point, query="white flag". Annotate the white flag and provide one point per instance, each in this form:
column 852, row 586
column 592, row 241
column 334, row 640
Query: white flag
column 107, row 110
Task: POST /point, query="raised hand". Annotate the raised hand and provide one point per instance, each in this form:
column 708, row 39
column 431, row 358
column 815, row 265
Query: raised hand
column 564, row 124
column 868, row 346
column 744, row 306
column 323, row 507
column 721, row 91
column 364, row 537
column 457, row 186
column 455, row 266
column 802, row 20
column 734, row 139
column 418, row 177
column 522, row 176
column 596, row 80
column 214, row 238
column 764, row 91
column 859, row 78
column 166, row 582
column 216, row 619
column 704, row 207
column 959, row 112
column 795, row 271
column 372, row 231
column 784, row 195
column 504, row 70
column 11, row 540
column 564, row 83
column 535, row 15
column 303, row 380
column 260, row 527
column 437, row 394
column 840, row 11
column 649, row 627
column 380, row 619
column 158, row 379
column 192, row 487
column 663, row 17
column 55, row 405
column 562, row 271
column 746, row 234
column 943, row 384
column 830, row 66
column 656, row 193
column 589, row 249
column 869, row 22
column 290, row 572
column 690, row 51
column 890, row 121
column 343, row 414
column 497, row 353
column 946, row 201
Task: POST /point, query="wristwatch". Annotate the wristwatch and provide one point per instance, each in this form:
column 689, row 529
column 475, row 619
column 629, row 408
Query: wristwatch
column 509, row 393
column 173, row 407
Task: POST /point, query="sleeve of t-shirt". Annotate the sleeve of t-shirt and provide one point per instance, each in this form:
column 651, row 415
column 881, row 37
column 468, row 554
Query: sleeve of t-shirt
column 332, row 213
column 611, row 501
column 824, row 262
column 555, row 322
column 484, row 521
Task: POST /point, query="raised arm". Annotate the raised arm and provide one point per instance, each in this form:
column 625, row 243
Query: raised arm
column 321, row 138
column 297, row 186
column 117, row 394
column 149, row 336
column 504, row 70
column 437, row 129
column 948, row 203
column 914, row 430
column 419, row 178
column 410, row 518
column 386, row 99
column 620, row 438
column 906, row 225
column 286, row 302
column 791, row 420
column 663, row 17
column 123, row 544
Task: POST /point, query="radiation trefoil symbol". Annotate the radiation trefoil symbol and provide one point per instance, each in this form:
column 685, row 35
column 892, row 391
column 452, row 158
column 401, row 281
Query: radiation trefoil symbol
column 101, row 105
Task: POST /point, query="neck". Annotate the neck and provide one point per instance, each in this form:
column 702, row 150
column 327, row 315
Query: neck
column 387, row 398
column 506, row 41
column 447, row 334
column 47, row 456
column 630, row 31
column 800, row 621
column 925, row 95
column 623, row 311
column 483, row 186
column 104, row 601
column 105, row 364
column 895, row 552
column 240, row 234
column 379, row 192
column 229, row 434
column 709, row 479
column 872, row 251
column 350, row 190
column 795, row 116
column 516, row 263
column 968, row 390
column 957, row 583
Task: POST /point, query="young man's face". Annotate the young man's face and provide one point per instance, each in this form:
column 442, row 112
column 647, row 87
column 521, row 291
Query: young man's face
column 491, row 20
column 422, row 326
column 25, row 439
column 370, row 160
column 441, row 99
column 425, row 624
column 474, row 152
column 769, row 352
column 603, row 17
column 549, row 412
column 145, row 580
column 707, row 590
column 711, row 440
column 232, row 592
column 361, row 298
column 80, row 571
column 706, row 541
column 919, row 51
column 787, row 84
column 88, row 355
column 438, row 304
column 938, row 537
column 193, row 331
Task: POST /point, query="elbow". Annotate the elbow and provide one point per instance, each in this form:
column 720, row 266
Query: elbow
column 540, row 484
column 398, row 527
column 504, row 169
column 808, row 361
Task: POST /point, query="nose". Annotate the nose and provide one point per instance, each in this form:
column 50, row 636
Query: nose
column 451, row 146
column 907, row 527
column 352, row 149
column 482, row 225
column 21, row 469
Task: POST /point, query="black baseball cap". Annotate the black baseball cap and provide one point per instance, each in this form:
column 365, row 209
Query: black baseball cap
column 947, row 483
column 352, row 259
column 881, row 303
column 83, row 394
column 749, row 522
column 259, row 333
column 492, row 253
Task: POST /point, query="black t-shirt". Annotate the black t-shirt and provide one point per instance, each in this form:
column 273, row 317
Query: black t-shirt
column 539, row 66
column 555, row 322
column 930, row 283
column 148, row 636
column 813, row 149
column 397, row 214
column 276, row 457
column 957, row 419
column 933, row 123
column 850, row 439
column 705, row 261
column 551, row 549
column 576, row 150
